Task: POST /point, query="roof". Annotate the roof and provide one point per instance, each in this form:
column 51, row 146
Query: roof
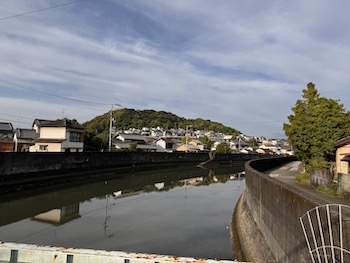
column 45, row 140
column 57, row 123
column 6, row 126
column 169, row 140
column 132, row 137
column 342, row 142
column 26, row 134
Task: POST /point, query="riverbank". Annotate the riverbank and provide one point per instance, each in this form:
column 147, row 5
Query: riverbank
column 267, row 214
column 23, row 171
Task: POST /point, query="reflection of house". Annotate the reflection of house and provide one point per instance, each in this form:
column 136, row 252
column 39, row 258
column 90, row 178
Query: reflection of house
column 342, row 156
column 23, row 139
column 59, row 216
column 166, row 144
column 58, row 136
column 6, row 134
column 123, row 142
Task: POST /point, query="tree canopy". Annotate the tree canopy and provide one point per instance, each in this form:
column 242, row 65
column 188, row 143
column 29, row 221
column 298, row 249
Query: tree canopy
column 130, row 118
column 316, row 124
column 223, row 148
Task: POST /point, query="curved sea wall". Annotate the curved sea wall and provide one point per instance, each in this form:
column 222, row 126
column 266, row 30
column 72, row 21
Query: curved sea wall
column 267, row 216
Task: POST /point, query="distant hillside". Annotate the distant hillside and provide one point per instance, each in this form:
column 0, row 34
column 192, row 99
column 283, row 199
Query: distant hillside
column 130, row 118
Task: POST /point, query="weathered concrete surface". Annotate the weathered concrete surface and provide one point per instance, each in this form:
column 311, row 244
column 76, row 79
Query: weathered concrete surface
column 25, row 171
column 252, row 245
column 275, row 202
column 25, row 163
column 15, row 252
column 269, row 210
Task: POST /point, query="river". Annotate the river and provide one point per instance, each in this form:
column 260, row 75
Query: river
column 182, row 211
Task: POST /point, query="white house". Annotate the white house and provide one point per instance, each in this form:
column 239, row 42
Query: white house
column 123, row 142
column 24, row 138
column 166, row 144
column 58, row 136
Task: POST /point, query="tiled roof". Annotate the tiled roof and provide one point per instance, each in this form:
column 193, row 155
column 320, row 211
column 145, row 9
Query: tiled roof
column 26, row 134
column 57, row 123
column 6, row 126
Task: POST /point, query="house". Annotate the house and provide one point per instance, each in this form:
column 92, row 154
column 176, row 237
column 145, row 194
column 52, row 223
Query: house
column 342, row 156
column 187, row 148
column 23, row 139
column 6, row 135
column 197, row 143
column 166, row 144
column 123, row 142
column 57, row 136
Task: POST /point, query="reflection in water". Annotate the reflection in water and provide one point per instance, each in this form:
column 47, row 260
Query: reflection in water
column 183, row 211
column 59, row 216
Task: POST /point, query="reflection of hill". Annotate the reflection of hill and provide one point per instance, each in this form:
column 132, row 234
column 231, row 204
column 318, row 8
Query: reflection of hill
column 14, row 208
column 205, row 180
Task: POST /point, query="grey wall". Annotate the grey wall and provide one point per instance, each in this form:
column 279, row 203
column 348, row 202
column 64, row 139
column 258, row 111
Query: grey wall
column 23, row 163
column 275, row 209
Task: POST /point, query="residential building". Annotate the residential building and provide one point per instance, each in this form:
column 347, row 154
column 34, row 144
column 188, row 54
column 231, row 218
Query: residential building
column 187, row 148
column 123, row 142
column 342, row 156
column 23, row 139
column 197, row 143
column 6, row 135
column 166, row 144
column 58, row 136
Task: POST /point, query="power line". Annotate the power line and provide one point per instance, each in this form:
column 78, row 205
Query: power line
column 39, row 10
column 53, row 95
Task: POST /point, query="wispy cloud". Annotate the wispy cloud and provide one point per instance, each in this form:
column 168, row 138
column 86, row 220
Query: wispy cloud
column 240, row 63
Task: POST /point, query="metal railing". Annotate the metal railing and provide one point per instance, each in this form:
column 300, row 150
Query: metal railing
column 327, row 232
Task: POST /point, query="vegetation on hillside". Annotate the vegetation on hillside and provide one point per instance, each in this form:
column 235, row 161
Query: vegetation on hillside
column 97, row 129
column 130, row 118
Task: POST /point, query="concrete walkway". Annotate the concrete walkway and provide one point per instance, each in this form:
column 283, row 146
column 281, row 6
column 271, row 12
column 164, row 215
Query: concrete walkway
column 287, row 173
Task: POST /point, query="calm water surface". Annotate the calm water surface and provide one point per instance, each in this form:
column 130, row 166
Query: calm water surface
column 184, row 211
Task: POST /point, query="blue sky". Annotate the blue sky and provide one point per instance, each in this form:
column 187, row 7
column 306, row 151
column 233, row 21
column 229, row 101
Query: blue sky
column 241, row 63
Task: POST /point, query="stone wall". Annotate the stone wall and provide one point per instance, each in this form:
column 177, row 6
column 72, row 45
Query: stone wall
column 320, row 177
column 271, row 210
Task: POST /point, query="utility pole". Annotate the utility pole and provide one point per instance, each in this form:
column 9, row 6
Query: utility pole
column 111, row 120
column 187, row 129
column 110, row 129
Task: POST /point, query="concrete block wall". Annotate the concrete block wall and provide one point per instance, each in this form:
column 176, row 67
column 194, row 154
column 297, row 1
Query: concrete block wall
column 276, row 209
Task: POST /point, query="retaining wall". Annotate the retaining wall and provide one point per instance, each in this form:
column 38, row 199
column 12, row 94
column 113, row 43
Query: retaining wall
column 268, row 216
column 25, row 163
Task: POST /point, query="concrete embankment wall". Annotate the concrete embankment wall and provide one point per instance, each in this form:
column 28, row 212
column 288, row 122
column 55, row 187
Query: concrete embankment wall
column 267, row 216
column 26, row 163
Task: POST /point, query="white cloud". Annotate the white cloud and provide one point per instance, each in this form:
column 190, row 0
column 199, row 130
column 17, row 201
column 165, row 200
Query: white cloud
column 240, row 63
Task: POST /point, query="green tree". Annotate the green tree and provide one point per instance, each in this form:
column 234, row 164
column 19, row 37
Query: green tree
column 252, row 142
column 206, row 141
column 133, row 147
column 223, row 148
column 316, row 124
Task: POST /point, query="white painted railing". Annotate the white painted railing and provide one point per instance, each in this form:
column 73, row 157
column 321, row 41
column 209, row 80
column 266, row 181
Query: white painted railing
column 327, row 232
column 24, row 253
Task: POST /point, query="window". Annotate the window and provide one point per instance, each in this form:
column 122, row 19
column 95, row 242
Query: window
column 75, row 137
column 43, row 147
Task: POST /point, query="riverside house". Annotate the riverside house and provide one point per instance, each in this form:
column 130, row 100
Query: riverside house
column 6, row 134
column 58, row 136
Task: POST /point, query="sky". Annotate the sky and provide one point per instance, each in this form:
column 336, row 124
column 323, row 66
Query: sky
column 240, row 63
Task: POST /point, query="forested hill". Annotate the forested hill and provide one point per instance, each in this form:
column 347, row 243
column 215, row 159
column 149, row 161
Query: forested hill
column 130, row 118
